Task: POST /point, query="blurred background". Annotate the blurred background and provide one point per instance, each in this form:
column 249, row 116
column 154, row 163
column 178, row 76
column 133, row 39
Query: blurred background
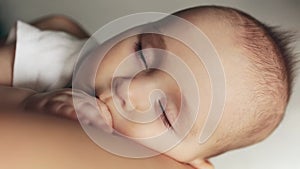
column 281, row 150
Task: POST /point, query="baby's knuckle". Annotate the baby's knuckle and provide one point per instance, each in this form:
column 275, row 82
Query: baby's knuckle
column 54, row 106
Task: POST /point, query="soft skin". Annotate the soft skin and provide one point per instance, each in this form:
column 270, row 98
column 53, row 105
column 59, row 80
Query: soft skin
column 238, row 113
column 189, row 150
column 33, row 140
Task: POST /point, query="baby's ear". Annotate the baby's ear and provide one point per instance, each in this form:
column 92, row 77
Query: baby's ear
column 201, row 164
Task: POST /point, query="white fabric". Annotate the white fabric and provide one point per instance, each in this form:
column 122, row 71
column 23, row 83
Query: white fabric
column 44, row 60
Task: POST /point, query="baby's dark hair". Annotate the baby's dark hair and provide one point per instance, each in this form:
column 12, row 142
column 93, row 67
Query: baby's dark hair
column 272, row 67
column 271, row 71
column 263, row 41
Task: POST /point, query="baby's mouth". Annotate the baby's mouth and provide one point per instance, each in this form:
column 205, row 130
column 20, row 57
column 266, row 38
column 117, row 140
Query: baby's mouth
column 106, row 114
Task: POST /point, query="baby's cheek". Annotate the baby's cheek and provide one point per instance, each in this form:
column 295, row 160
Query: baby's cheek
column 135, row 129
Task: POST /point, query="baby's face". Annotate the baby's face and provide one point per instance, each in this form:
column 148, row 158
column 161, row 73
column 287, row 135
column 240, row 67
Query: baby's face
column 135, row 97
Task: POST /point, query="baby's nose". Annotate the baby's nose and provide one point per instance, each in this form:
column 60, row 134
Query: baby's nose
column 136, row 92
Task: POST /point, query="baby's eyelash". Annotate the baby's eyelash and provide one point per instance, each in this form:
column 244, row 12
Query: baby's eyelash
column 164, row 116
column 139, row 49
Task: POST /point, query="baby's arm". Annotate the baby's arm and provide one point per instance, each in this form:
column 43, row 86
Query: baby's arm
column 61, row 23
column 56, row 23
column 12, row 98
column 56, row 102
column 7, row 53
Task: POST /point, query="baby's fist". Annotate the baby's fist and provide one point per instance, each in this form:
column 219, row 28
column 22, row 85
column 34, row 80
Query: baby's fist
column 61, row 102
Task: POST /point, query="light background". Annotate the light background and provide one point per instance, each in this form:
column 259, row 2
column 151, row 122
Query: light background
column 281, row 150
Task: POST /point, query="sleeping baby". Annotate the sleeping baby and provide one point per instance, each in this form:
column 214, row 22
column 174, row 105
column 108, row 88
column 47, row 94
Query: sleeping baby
column 257, row 66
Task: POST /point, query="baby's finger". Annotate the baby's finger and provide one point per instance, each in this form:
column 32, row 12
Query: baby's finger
column 69, row 112
column 61, row 108
column 80, row 94
column 91, row 114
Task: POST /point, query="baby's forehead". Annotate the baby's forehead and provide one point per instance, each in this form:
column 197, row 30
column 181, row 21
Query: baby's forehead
column 211, row 25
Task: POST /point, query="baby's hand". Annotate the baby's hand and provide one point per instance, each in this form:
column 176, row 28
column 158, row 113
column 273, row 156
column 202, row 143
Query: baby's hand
column 60, row 102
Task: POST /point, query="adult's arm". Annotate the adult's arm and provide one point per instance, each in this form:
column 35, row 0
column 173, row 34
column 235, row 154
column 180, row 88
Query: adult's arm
column 35, row 140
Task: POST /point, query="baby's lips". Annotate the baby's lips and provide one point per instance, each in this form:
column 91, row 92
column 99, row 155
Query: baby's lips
column 106, row 116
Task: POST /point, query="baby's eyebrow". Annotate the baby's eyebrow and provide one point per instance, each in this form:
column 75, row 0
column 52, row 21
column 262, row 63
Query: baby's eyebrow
column 153, row 40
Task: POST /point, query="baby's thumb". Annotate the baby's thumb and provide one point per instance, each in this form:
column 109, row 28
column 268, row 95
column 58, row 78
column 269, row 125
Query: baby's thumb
column 93, row 115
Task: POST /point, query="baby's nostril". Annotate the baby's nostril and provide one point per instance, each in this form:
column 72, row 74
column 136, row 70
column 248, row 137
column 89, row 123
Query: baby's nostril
column 120, row 87
column 123, row 103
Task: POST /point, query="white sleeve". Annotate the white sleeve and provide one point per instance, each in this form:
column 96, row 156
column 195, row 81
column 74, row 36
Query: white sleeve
column 44, row 60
